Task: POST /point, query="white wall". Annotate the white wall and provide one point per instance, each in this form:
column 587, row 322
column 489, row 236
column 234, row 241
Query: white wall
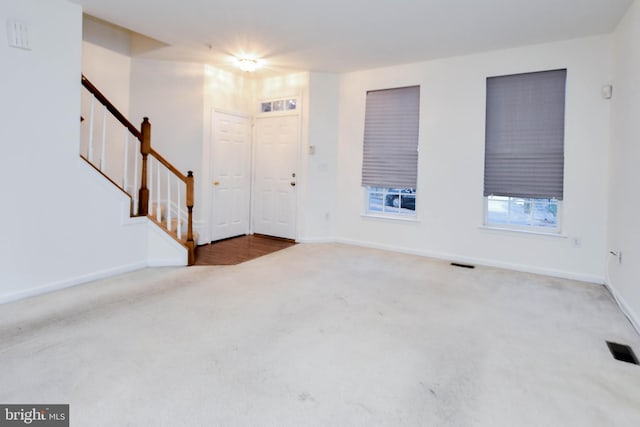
column 450, row 181
column 171, row 94
column 110, row 72
column 63, row 223
column 624, row 203
column 106, row 35
column 320, row 192
column 226, row 91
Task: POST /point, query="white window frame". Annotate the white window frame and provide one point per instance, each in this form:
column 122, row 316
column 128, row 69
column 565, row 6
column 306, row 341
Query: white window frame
column 557, row 230
column 504, row 188
column 407, row 214
column 272, row 101
column 387, row 167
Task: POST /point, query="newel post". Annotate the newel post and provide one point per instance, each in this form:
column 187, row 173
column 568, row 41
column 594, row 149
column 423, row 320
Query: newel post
column 145, row 149
column 191, row 246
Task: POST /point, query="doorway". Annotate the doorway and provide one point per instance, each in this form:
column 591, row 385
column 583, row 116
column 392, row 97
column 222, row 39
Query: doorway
column 275, row 196
column 231, row 183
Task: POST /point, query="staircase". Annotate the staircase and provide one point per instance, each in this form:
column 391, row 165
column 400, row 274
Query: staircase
column 123, row 155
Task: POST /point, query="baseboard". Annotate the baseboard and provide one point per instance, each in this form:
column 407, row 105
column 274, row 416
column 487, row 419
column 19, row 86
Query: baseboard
column 167, row 262
column 316, row 240
column 67, row 283
column 633, row 317
column 479, row 261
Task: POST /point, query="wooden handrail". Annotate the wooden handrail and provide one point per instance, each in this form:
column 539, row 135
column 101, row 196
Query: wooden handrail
column 168, row 165
column 112, row 109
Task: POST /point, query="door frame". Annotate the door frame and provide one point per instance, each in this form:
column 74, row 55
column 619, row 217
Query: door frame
column 259, row 115
column 212, row 141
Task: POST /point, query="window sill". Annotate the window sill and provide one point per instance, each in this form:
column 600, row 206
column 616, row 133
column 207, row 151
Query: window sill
column 557, row 235
column 390, row 217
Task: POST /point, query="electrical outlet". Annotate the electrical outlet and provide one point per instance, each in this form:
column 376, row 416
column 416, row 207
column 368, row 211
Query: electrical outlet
column 576, row 242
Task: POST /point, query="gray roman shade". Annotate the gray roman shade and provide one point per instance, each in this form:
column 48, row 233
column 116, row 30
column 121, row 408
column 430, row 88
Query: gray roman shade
column 524, row 141
column 390, row 156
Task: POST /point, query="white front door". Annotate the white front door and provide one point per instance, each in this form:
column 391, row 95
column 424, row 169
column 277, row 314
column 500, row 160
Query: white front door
column 230, row 164
column 276, row 142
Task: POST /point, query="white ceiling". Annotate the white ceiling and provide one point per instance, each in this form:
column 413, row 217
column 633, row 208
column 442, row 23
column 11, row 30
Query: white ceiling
column 348, row 35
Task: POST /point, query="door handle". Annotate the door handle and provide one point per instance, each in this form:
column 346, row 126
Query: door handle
column 216, row 182
column 292, row 183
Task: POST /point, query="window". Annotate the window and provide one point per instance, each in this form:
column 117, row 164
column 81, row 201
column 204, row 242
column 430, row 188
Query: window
column 522, row 212
column 391, row 200
column 524, row 150
column 279, row 105
column 390, row 153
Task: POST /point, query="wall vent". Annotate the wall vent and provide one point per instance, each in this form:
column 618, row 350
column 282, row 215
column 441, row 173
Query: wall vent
column 18, row 34
column 457, row 264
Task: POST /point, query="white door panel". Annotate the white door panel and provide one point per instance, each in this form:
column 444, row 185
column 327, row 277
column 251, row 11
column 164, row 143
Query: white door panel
column 230, row 163
column 275, row 175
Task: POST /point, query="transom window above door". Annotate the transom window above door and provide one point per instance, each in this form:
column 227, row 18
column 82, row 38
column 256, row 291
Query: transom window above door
column 287, row 104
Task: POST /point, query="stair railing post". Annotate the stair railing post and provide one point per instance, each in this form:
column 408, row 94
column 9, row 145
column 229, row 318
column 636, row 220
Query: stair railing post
column 145, row 149
column 191, row 246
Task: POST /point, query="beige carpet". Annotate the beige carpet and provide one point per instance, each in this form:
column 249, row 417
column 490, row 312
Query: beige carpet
column 323, row 335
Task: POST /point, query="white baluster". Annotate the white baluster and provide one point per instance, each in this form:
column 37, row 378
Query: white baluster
column 168, row 199
column 90, row 149
column 179, row 210
column 125, row 177
column 159, row 208
column 135, row 176
column 151, row 185
column 103, row 160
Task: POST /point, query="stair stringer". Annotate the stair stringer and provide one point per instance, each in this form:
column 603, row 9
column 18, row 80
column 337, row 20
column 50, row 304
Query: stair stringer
column 159, row 248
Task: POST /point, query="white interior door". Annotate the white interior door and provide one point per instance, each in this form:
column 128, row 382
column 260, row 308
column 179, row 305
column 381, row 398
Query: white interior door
column 230, row 165
column 276, row 142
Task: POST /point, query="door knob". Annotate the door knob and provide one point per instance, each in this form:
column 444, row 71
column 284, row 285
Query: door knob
column 216, row 182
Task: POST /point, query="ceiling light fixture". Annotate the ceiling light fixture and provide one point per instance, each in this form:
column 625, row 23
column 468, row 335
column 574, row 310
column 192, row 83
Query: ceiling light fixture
column 246, row 64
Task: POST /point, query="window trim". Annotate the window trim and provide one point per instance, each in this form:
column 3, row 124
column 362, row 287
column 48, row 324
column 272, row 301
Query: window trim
column 366, row 213
column 528, row 229
column 509, row 142
column 523, row 232
column 272, row 113
column 390, row 149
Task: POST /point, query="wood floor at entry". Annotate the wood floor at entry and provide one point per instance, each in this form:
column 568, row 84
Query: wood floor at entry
column 237, row 250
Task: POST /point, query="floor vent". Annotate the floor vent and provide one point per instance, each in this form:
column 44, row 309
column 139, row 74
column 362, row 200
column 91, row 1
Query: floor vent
column 457, row 264
column 622, row 352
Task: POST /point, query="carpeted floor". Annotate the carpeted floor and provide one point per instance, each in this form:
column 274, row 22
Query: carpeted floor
column 323, row 335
